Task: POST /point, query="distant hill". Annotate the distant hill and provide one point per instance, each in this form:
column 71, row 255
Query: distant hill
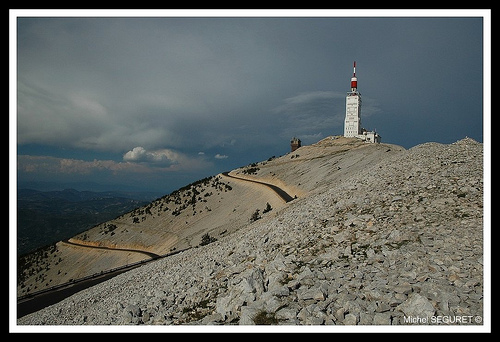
column 45, row 217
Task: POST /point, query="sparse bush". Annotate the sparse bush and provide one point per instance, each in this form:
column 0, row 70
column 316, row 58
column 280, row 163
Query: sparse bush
column 255, row 216
column 206, row 239
column 265, row 318
column 251, row 170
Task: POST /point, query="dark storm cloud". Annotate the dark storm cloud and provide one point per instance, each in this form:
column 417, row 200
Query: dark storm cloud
column 200, row 87
column 139, row 78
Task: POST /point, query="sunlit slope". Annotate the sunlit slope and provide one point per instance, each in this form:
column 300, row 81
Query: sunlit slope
column 215, row 206
column 311, row 168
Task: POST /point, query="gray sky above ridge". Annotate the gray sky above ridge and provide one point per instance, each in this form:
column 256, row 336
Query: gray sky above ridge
column 155, row 102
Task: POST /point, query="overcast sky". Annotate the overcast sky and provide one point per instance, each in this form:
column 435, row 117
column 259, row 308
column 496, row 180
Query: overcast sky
column 154, row 103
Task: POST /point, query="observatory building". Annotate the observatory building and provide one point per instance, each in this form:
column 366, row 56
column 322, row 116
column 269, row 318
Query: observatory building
column 295, row 143
column 352, row 123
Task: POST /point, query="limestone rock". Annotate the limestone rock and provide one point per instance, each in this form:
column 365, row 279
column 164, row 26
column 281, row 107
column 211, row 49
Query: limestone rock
column 400, row 237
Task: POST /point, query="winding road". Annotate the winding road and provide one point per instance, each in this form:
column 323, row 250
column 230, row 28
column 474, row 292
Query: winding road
column 39, row 300
column 149, row 254
column 281, row 193
column 42, row 299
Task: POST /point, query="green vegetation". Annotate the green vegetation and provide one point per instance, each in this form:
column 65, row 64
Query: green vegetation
column 36, row 264
column 206, row 239
column 178, row 201
column 255, row 216
column 251, row 169
column 265, row 318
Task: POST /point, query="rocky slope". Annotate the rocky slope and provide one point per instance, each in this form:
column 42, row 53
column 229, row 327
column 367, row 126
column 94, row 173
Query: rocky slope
column 396, row 239
column 216, row 205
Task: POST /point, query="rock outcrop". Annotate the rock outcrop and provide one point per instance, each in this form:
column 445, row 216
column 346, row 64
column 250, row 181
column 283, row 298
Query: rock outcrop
column 396, row 242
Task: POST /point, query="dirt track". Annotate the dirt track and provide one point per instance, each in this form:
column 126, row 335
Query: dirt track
column 282, row 193
column 152, row 255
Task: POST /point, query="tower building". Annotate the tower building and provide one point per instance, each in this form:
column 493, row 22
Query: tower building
column 295, row 143
column 352, row 123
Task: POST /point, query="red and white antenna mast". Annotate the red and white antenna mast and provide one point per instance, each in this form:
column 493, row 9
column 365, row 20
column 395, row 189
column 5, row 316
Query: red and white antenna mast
column 354, row 79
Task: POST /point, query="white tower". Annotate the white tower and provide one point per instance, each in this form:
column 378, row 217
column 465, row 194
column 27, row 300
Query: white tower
column 352, row 123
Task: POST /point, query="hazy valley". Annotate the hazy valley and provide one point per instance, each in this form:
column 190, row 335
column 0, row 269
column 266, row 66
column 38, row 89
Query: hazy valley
column 45, row 217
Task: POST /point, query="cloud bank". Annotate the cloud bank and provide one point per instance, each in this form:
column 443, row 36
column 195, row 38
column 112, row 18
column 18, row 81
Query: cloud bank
column 148, row 94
